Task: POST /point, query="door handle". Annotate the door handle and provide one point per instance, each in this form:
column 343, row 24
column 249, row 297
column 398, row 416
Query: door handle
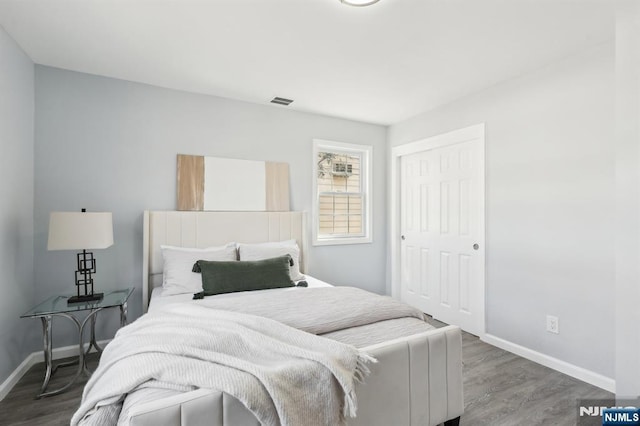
column 476, row 246
column 403, row 238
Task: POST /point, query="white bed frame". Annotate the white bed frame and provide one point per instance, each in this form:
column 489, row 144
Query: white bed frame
column 417, row 380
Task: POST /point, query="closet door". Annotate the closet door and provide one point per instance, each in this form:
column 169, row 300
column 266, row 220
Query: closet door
column 442, row 228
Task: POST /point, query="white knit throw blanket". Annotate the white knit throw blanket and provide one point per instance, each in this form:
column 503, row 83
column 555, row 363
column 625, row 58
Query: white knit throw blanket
column 281, row 374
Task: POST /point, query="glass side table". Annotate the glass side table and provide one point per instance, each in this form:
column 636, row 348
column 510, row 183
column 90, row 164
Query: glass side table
column 57, row 306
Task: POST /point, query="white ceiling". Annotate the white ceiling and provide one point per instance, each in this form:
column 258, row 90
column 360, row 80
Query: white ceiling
column 378, row 64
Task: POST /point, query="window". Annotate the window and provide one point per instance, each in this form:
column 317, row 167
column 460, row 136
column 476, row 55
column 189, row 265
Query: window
column 342, row 200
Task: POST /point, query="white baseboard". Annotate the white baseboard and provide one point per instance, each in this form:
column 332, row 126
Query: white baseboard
column 579, row 373
column 16, row 375
column 36, row 357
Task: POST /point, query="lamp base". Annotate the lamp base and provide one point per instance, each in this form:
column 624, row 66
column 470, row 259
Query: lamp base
column 85, row 298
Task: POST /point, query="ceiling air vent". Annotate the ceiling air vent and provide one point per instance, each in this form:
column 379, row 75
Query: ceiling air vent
column 281, row 101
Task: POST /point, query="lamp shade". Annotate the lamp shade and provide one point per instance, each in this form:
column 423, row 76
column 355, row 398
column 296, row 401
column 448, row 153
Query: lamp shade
column 80, row 231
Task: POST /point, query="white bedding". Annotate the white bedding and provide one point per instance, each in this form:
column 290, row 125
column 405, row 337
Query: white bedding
column 359, row 336
column 157, row 299
column 261, row 362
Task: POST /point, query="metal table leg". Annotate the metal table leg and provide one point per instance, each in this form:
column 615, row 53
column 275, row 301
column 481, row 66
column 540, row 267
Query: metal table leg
column 123, row 314
column 46, row 344
column 92, row 343
column 50, row 369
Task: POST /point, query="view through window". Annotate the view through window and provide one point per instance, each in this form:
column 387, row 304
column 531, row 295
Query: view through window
column 340, row 194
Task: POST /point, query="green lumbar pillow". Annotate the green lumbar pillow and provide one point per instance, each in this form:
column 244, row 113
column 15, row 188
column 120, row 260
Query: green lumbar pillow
column 230, row 276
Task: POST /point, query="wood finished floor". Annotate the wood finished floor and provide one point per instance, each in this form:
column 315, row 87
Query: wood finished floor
column 501, row 389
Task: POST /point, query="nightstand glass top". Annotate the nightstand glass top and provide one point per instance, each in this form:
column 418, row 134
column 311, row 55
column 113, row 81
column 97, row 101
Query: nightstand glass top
column 58, row 304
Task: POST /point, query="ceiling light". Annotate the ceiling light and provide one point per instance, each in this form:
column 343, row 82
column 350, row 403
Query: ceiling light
column 359, row 2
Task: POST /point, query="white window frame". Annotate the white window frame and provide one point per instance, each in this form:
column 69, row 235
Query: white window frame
column 365, row 151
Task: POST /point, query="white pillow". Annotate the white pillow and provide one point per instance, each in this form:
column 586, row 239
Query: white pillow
column 268, row 250
column 177, row 277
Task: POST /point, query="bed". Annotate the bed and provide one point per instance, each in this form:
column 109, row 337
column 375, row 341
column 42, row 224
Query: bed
column 416, row 381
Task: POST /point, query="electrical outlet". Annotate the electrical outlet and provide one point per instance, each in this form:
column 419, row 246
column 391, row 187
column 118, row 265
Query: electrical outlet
column 553, row 325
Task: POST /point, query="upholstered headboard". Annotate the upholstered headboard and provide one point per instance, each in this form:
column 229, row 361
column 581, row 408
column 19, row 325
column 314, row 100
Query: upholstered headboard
column 205, row 229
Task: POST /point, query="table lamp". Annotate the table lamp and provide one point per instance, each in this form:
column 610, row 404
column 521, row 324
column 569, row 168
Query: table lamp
column 81, row 231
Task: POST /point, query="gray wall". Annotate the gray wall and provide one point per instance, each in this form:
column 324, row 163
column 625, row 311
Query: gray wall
column 17, row 336
column 549, row 203
column 111, row 145
column 627, row 200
